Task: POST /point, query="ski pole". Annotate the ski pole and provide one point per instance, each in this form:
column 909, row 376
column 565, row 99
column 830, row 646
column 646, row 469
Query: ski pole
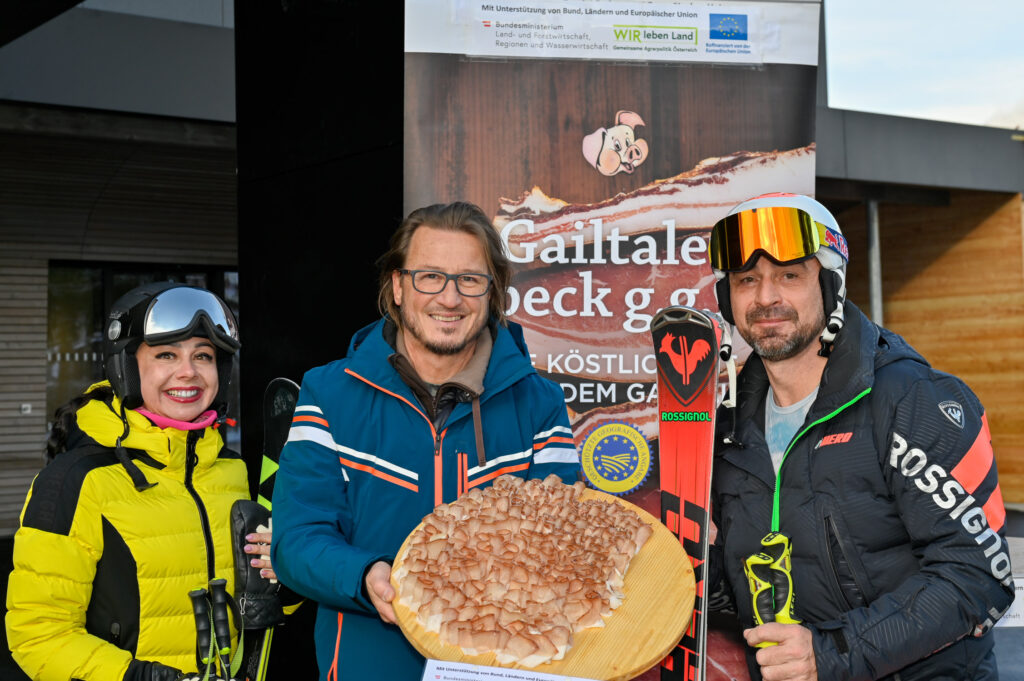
column 204, row 642
column 221, row 623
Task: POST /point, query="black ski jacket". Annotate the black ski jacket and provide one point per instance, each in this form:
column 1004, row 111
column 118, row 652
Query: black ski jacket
column 890, row 497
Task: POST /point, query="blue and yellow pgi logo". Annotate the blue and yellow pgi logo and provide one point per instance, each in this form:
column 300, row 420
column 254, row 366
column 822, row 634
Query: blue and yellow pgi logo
column 616, row 458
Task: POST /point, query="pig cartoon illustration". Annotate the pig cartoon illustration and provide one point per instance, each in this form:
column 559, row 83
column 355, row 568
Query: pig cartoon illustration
column 616, row 149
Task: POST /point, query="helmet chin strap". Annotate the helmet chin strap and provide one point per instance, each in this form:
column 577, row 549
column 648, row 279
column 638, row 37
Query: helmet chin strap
column 729, row 401
column 833, row 326
column 137, row 476
column 836, row 319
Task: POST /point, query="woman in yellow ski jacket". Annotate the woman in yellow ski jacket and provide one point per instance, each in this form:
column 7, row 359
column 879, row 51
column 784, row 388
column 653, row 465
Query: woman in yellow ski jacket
column 134, row 514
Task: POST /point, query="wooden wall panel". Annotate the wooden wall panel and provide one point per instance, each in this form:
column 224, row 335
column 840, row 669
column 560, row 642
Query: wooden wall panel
column 22, row 375
column 118, row 201
column 953, row 286
column 456, row 105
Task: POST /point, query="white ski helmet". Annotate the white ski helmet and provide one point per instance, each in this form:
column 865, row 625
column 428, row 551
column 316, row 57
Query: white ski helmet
column 785, row 228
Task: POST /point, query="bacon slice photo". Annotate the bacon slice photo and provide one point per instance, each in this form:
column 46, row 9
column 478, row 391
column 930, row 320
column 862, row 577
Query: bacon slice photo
column 694, row 199
column 538, row 574
column 651, row 255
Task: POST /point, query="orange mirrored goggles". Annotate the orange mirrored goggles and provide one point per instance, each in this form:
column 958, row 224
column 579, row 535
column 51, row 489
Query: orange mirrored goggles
column 782, row 233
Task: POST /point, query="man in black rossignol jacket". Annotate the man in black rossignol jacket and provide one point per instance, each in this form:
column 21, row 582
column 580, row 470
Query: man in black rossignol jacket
column 877, row 468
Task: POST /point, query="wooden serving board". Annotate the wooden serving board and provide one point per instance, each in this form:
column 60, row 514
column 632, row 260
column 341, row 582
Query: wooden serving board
column 658, row 603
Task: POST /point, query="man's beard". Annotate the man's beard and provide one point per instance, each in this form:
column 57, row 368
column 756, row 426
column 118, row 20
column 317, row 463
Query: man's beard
column 773, row 346
column 444, row 347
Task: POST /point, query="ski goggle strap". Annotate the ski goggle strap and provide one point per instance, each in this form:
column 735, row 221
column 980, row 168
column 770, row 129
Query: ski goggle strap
column 176, row 314
column 784, row 233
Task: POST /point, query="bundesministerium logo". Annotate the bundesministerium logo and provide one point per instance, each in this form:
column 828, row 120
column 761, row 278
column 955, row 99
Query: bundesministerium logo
column 616, row 458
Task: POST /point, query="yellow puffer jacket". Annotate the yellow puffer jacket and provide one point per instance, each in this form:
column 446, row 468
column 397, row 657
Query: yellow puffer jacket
column 102, row 571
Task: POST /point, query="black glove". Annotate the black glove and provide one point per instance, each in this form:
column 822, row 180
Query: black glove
column 144, row 670
column 257, row 598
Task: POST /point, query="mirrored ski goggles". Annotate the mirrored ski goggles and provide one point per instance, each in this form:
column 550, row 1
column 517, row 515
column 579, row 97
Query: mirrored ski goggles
column 177, row 313
column 785, row 234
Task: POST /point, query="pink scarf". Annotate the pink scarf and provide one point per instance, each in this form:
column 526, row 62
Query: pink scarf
column 204, row 420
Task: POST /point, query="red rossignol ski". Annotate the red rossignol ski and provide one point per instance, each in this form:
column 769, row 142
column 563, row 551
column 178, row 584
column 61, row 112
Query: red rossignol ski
column 686, row 345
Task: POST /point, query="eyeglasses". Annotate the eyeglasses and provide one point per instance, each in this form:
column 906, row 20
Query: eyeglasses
column 785, row 234
column 431, row 282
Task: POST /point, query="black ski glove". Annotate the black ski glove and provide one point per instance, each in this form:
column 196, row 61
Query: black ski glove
column 143, row 670
column 257, row 598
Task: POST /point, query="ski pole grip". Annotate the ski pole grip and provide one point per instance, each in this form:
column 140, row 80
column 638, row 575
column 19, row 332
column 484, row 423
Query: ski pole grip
column 782, row 586
column 221, row 623
column 780, row 549
column 758, row 570
column 201, row 610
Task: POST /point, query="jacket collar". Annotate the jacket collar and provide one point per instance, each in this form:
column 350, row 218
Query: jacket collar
column 509, row 361
column 101, row 422
column 861, row 348
column 470, row 379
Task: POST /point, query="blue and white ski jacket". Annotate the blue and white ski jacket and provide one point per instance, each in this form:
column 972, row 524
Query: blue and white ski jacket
column 364, row 464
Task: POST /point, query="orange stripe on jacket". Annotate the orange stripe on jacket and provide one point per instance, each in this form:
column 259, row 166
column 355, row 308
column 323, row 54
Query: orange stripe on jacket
column 396, row 396
column 313, row 419
column 332, row 674
column 463, row 473
column 379, row 474
column 438, row 487
column 555, row 439
column 977, row 462
column 500, row 471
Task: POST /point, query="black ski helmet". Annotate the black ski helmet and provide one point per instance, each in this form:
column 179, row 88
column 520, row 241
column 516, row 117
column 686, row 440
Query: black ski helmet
column 166, row 312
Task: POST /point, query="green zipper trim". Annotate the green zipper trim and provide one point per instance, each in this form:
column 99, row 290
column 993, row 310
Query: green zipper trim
column 778, row 476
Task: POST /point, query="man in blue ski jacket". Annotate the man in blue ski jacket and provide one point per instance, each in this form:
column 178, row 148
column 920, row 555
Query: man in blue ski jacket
column 437, row 397
column 877, row 468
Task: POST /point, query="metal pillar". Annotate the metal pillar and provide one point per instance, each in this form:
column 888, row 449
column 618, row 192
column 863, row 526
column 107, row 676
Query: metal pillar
column 874, row 262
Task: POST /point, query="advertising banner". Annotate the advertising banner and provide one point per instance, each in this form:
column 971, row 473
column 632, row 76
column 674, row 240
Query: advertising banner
column 604, row 139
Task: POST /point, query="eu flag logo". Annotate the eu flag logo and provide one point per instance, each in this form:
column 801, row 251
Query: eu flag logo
column 728, row 27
